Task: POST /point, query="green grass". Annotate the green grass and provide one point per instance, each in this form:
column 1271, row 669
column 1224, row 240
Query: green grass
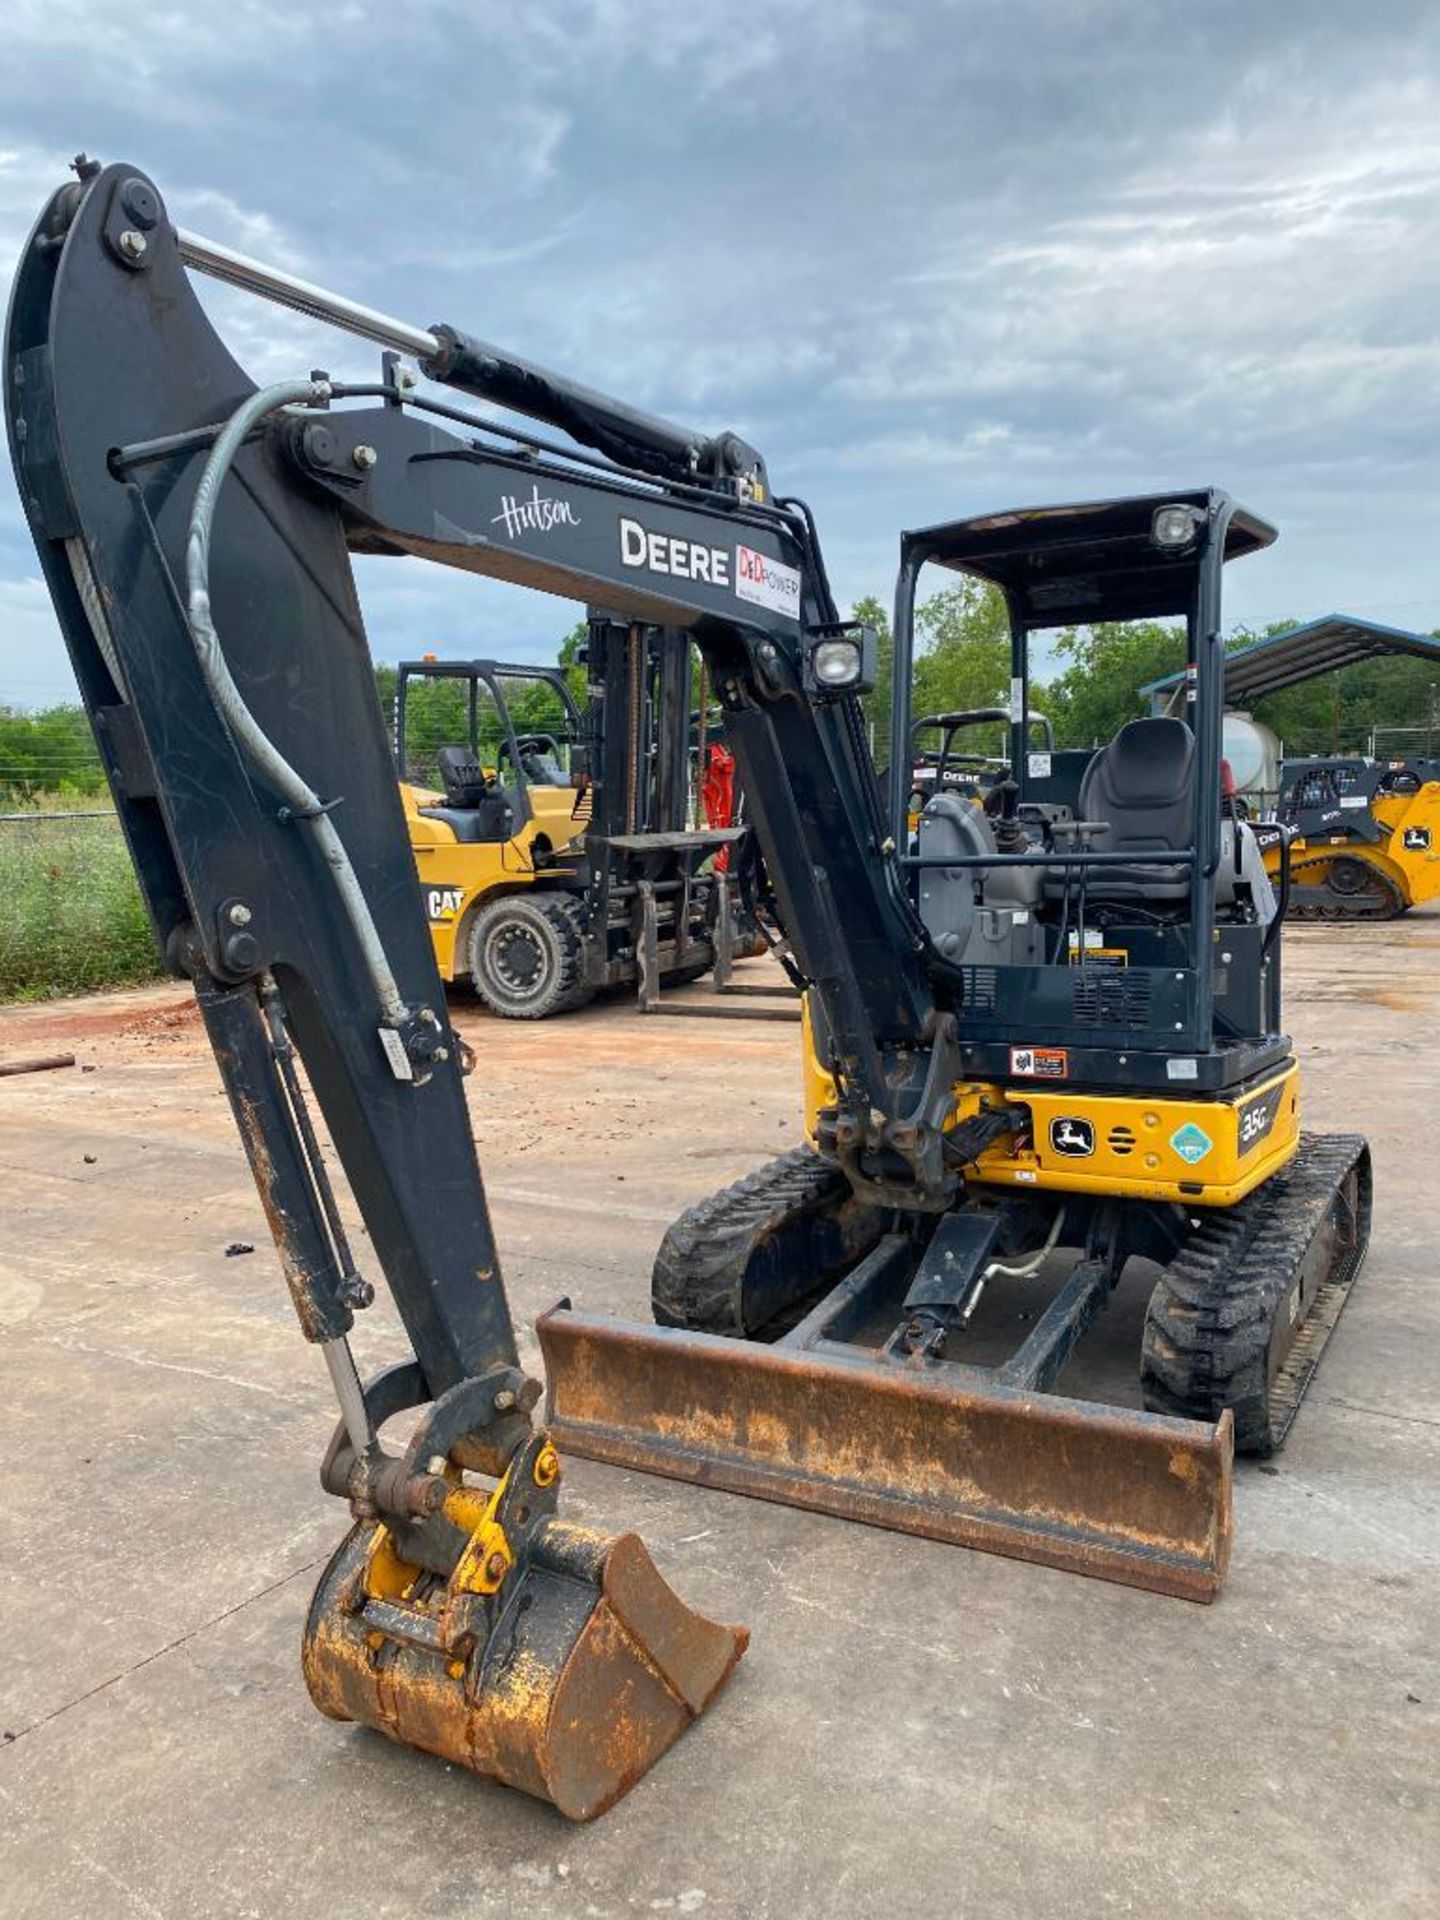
column 71, row 917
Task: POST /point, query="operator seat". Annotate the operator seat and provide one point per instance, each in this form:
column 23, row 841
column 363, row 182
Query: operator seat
column 543, row 770
column 476, row 809
column 1143, row 787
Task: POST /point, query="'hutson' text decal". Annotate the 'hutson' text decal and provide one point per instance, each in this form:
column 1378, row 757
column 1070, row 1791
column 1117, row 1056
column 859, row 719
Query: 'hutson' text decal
column 538, row 514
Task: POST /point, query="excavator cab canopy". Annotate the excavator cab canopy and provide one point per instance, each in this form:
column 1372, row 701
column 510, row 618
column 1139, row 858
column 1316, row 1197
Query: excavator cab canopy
column 1071, row 821
column 1131, row 559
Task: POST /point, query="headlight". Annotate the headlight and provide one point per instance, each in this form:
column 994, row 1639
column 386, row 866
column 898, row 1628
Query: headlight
column 840, row 659
column 837, row 663
column 1174, row 527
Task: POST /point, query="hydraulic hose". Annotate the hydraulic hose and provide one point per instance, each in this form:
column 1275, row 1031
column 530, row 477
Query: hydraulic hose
column 1021, row 1270
column 303, row 803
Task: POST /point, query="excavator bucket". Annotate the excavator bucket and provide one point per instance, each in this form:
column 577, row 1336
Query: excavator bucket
column 591, row 1668
column 1138, row 1498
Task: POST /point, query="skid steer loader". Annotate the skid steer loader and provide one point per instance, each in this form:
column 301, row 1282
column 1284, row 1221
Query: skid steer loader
column 938, row 761
column 984, row 1088
column 1360, row 838
column 1349, row 838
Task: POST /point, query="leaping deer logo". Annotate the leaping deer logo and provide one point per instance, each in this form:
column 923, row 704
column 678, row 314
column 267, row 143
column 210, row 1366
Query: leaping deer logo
column 1070, row 1136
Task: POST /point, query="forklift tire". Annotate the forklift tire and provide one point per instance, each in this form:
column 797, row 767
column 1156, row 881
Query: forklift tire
column 527, row 956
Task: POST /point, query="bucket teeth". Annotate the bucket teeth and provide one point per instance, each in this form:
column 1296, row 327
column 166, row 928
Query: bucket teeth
column 591, row 1668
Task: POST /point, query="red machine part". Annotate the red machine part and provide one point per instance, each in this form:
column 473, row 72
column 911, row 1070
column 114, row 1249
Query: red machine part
column 717, row 795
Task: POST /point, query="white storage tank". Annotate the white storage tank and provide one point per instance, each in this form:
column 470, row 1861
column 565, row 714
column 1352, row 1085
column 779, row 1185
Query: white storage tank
column 1254, row 755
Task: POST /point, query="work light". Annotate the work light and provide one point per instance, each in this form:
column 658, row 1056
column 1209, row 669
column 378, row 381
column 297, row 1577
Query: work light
column 841, row 660
column 1174, row 527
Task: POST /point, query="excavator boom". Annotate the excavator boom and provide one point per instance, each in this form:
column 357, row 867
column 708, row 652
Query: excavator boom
column 204, row 589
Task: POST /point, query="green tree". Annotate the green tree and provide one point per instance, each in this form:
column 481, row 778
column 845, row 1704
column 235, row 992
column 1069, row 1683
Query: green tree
column 568, row 659
column 1102, row 669
column 878, row 703
column 51, row 751
column 962, row 649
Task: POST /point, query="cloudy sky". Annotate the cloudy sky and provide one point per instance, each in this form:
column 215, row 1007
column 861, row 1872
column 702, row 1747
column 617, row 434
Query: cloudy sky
column 931, row 258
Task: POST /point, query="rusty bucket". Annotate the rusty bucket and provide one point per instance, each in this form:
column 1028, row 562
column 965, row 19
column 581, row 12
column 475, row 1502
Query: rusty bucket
column 591, row 1669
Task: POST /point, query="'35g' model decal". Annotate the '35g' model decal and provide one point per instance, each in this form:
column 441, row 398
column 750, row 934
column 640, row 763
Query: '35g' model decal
column 1257, row 1117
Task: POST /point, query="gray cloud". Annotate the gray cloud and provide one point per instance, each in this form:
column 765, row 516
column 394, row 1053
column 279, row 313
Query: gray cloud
column 933, row 258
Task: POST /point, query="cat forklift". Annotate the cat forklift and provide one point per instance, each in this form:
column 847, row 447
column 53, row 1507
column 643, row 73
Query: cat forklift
column 557, row 862
column 990, row 1088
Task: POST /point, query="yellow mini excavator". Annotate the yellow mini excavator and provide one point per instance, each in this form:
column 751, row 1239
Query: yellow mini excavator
column 1048, row 1034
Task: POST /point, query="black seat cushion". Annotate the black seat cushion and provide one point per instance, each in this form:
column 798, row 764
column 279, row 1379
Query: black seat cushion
column 462, row 777
column 492, row 820
column 1143, row 787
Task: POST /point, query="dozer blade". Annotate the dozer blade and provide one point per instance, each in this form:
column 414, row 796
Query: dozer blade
column 592, row 1668
column 1139, row 1498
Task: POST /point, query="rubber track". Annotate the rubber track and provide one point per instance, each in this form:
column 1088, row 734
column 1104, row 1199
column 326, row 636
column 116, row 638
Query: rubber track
column 1211, row 1316
column 1384, row 902
column 700, row 1269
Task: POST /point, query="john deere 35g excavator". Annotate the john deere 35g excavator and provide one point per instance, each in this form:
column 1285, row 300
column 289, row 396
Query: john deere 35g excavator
column 988, row 1083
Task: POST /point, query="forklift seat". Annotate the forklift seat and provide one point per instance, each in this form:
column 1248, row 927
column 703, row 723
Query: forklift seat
column 1143, row 787
column 462, row 777
column 476, row 809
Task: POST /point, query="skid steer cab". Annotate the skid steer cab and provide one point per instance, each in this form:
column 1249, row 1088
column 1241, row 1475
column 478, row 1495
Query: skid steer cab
column 967, row 752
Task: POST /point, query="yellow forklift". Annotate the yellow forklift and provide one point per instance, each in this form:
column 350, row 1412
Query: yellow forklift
column 552, row 844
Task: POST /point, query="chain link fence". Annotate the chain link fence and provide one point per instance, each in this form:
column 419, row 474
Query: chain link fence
column 71, row 917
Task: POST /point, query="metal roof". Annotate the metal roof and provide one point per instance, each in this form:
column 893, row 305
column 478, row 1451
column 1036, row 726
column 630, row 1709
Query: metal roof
column 1093, row 560
column 1304, row 653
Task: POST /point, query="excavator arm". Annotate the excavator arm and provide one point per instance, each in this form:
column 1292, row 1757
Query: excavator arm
column 196, row 533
